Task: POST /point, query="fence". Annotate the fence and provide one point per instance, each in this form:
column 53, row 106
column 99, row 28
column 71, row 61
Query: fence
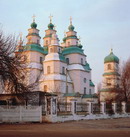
column 20, row 114
column 64, row 108
column 81, row 108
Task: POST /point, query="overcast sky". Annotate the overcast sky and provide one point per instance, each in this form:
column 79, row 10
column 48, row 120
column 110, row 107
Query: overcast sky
column 101, row 24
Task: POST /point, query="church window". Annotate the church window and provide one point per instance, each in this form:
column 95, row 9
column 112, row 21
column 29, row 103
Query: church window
column 48, row 70
column 68, row 43
column 41, row 59
column 109, row 67
column 81, row 61
column 85, row 80
column 90, row 92
column 108, row 82
column 51, row 50
column 45, row 88
column 67, row 60
column 63, row 70
column 37, row 41
column 46, row 42
column 84, row 90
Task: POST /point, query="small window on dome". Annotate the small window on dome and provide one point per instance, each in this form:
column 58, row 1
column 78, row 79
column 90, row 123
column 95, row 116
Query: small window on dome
column 46, row 42
column 68, row 43
column 41, row 59
column 37, row 41
column 48, row 70
column 51, row 50
column 109, row 67
column 45, row 88
column 81, row 61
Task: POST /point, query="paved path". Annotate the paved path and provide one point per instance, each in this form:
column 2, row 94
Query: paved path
column 88, row 128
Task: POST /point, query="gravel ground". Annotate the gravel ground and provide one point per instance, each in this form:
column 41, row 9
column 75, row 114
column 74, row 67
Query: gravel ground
column 86, row 128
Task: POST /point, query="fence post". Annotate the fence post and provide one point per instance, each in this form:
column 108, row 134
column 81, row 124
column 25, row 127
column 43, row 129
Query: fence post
column 123, row 107
column 103, row 108
column 114, row 107
column 90, row 108
column 20, row 113
column 73, row 107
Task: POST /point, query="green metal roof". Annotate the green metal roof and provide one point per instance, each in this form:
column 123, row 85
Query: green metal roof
column 71, row 37
column 72, row 49
column 111, row 58
column 34, row 34
column 50, row 26
column 91, row 83
column 89, row 96
column 107, row 90
column 62, row 58
column 72, row 95
column 87, row 67
column 111, row 73
column 34, row 47
column 46, row 36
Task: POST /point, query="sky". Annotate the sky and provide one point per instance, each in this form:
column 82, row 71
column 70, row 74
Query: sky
column 101, row 24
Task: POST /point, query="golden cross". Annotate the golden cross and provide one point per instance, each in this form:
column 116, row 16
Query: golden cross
column 50, row 18
column 70, row 20
column 33, row 17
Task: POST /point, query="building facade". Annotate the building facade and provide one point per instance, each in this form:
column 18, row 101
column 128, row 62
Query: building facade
column 58, row 68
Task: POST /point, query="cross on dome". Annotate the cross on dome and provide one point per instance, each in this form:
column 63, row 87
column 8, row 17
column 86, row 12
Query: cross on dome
column 50, row 18
column 70, row 20
column 33, row 17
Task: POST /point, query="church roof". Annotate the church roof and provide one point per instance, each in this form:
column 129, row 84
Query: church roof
column 111, row 58
column 91, row 84
column 89, row 96
column 111, row 73
column 87, row 67
column 72, row 95
column 34, row 47
column 72, row 49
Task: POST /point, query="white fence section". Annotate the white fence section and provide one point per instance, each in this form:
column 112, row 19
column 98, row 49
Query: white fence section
column 20, row 114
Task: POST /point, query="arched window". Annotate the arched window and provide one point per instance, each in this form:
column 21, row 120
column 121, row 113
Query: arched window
column 84, row 90
column 41, row 59
column 109, row 66
column 68, row 43
column 81, row 61
column 48, row 70
column 67, row 60
column 51, row 50
column 37, row 41
column 46, row 42
column 85, row 80
column 90, row 92
column 45, row 88
column 63, row 70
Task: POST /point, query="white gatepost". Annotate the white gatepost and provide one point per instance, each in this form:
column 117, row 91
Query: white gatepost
column 73, row 107
column 114, row 107
column 123, row 107
column 103, row 107
column 90, row 108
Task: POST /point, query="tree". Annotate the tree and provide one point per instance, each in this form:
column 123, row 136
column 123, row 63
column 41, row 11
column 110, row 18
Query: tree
column 12, row 70
column 125, row 81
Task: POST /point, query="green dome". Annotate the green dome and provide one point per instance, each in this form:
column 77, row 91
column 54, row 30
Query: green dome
column 80, row 46
column 71, row 28
column 50, row 26
column 111, row 58
column 34, row 25
column 64, row 39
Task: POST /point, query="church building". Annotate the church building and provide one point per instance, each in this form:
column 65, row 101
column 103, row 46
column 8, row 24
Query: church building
column 61, row 69
column 111, row 78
